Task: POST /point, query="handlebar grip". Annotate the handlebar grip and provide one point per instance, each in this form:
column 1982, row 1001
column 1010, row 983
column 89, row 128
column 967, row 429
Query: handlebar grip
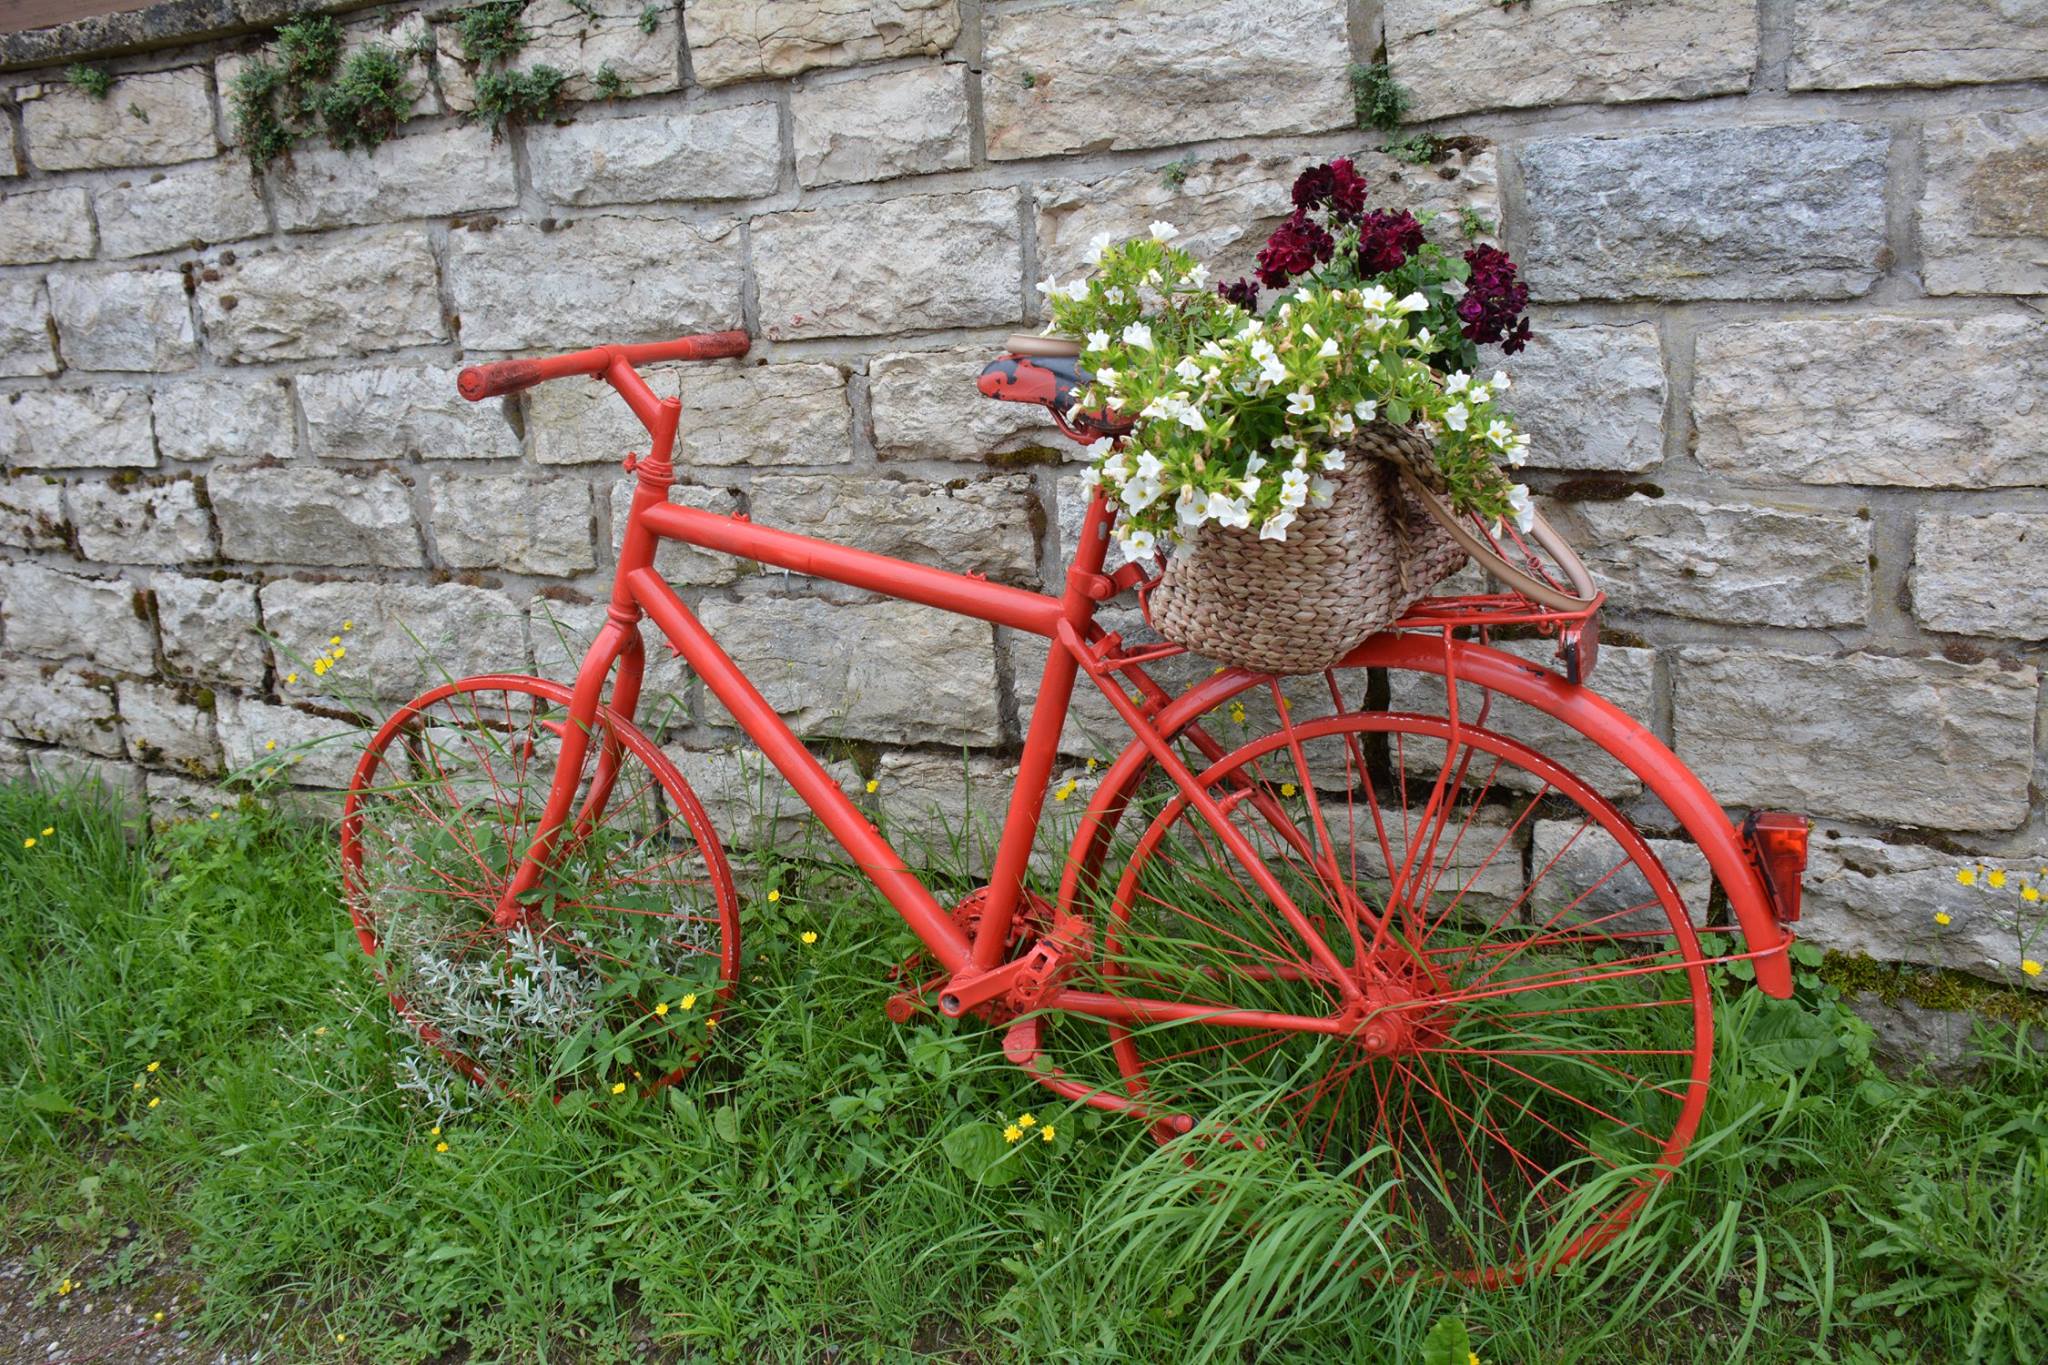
column 479, row 382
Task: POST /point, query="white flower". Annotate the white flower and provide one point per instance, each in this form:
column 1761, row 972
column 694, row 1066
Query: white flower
column 1139, row 493
column 1333, row 460
column 1293, row 488
column 1343, row 424
column 1414, row 303
column 1367, row 409
column 1500, row 381
column 1479, row 394
column 1301, row 401
column 1107, row 378
column 1138, row 334
column 1190, row 507
column 1273, row 372
column 1275, row 527
column 1139, row 544
column 1456, row 415
column 1188, row 370
column 1101, row 450
column 1148, row 467
column 1379, row 298
column 1214, row 351
column 1457, row 382
column 1499, row 432
column 1424, row 339
column 1523, row 506
column 1198, row 275
column 1236, row 514
column 1327, row 349
column 1153, row 277
column 1091, row 478
column 1098, row 341
column 1117, row 466
column 1254, row 462
column 1518, row 449
column 1320, row 491
column 1078, row 290
column 1115, row 294
column 1048, row 287
column 1164, row 232
column 1098, row 244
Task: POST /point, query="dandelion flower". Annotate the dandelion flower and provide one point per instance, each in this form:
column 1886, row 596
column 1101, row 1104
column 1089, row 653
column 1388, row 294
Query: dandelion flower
column 774, row 896
column 1237, row 712
column 661, row 1009
column 808, row 937
column 138, row 1085
column 29, row 842
column 1012, row 1132
column 340, row 653
column 151, row 1068
column 1091, row 768
column 291, row 677
column 334, row 639
column 435, row 1131
column 1941, row 917
column 1026, row 1120
column 618, row 1087
column 269, row 745
column 48, row 830
column 157, row 1316
column 1066, row 789
column 65, row 1287
column 1996, row 878
column 2030, row 894
column 155, row 1100
column 690, row 1001
column 440, row 1146
column 213, row 815
column 1967, row 876
column 874, row 785
column 1046, row 1133
column 1287, row 789
column 2030, row 967
column 340, row 1337
column 348, row 625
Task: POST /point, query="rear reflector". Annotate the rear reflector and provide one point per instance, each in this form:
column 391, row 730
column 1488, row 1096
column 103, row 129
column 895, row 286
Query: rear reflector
column 1777, row 844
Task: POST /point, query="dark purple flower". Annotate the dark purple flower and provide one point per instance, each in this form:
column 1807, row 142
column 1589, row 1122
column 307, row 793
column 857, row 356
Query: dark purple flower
column 1296, row 247
column 1335, row 185
column 1386, row 241
column 1494, row 300
column 1244, row 293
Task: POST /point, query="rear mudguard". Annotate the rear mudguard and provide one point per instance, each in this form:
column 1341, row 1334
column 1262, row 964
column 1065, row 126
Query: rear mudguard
column 1623, row 738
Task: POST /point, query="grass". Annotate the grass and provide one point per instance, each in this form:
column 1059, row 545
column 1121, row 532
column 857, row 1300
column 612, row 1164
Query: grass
column 807, row 1195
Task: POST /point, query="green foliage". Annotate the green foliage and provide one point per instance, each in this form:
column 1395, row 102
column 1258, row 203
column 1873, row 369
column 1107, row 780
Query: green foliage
column 367, row 101
column 1417, row 150
column 1473, row 223
column 92, row 80
column 1376, row 98
column 308, row 50
column 650, row 19
column 608, row 83
column 805, row 1194
column 492, row 33
column 1175, row 173
column 530, row 96
column 301, row 85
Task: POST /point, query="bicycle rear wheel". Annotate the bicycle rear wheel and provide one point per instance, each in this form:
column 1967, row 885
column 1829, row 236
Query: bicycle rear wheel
column 1492, row 997
column 626, row 952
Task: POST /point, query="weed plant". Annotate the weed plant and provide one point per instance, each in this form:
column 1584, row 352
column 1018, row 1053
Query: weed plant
column 191, row 1042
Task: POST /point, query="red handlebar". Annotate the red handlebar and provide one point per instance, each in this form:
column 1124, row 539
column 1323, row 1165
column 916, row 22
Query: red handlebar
column 479, row 382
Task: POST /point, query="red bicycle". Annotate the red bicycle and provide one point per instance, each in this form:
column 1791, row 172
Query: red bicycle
column 1413, row 947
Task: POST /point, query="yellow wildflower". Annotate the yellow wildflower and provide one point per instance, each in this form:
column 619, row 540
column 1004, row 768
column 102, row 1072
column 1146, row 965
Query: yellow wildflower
column 440, row 1146
column 320, row 1032
column 1091, row 768
column 213, row 815
column 155, row 1100
column 269, row 745
column 157, row 1316
column 334, row 639
column 808, row 938
column 341, row 653
column 151, row 1068
column 340, row 1337
column 1046, row 1133
column 348, row 625
column 1967, row 876
column 661, row 1009
column 29, row 842
column 435, row 1131
column 1237, row 712
column 618, row 1087
column 2030, row 967
column 64, row 1288
column 138, row 1085
column 1026, row 1120
column 2030, row 894
column 774, row 896
column 1997, row 878
column 1287, row 789
column 874, row 785
column 291, row 677
column 690, row 1001
column 1941, row 917
column 1011, row 1132
column 1066, row 789
column 48, row 830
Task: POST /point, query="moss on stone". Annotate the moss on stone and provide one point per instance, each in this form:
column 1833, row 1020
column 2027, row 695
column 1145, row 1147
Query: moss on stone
column 1930, row 988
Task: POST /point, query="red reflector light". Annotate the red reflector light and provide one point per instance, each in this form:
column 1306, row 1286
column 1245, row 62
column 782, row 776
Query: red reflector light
column 1777, row 841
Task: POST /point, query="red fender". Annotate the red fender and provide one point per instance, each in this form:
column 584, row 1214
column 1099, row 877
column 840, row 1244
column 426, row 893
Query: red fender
column 1623, row 738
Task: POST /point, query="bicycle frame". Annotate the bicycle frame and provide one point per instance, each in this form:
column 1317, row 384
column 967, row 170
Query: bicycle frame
column 977, row 967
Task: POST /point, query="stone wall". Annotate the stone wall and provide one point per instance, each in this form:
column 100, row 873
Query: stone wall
column 1789, row 392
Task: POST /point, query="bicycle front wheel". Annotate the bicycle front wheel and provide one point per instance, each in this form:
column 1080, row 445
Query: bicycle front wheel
column 1482, row 991
column 621, row 959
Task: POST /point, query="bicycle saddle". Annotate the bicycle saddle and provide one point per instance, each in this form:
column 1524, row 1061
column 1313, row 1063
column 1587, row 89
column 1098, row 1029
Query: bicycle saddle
column 1032, row 372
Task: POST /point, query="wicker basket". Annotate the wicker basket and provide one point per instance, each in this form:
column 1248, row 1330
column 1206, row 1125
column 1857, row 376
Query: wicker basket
column 1344, row 571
